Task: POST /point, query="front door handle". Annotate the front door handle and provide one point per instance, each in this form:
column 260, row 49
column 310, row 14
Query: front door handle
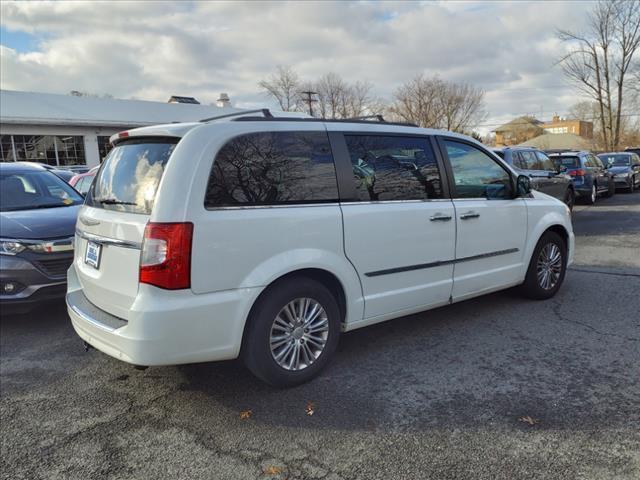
column 438, row 217
column 468, row 215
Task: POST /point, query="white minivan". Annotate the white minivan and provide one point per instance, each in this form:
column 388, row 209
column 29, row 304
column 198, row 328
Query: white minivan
column 263, row 237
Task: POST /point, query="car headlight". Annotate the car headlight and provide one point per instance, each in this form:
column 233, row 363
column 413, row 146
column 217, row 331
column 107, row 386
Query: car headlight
column 11, row 247
column 622, row 175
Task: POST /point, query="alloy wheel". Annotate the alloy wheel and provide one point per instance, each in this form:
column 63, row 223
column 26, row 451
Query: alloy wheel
column 549, row 266
column 299, row 334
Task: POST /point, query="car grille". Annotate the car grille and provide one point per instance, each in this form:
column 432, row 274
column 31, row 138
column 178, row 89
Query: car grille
column 55, row 267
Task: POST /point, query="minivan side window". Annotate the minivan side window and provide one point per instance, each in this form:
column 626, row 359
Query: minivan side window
column 273, row 168
column 476, row 175
column 387, row 167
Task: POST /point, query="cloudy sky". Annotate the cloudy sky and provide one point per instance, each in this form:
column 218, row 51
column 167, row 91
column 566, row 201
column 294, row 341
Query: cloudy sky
column 150, row 51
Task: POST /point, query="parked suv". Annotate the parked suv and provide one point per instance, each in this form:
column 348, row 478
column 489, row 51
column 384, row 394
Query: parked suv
column 590, row 177
column 625, row 168
column 266, row 237
column 545, row 175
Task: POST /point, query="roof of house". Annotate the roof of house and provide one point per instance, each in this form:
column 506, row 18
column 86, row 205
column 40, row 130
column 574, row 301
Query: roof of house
column 50, row 109
column 552, row 141
column 519, row 123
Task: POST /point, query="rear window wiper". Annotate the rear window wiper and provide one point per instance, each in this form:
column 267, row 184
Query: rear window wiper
column 113, row 201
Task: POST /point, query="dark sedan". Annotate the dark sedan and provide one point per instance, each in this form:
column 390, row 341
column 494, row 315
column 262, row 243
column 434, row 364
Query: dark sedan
column 38, row 213
column 625, row 168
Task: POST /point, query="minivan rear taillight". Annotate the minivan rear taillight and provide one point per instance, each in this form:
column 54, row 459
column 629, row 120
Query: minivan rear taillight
column 166, row 255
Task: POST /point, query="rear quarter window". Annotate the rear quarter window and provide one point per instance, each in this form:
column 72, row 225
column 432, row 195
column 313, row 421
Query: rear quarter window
column 273, row 168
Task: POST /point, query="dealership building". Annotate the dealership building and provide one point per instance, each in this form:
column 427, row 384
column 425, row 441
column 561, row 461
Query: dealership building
column 70, row 130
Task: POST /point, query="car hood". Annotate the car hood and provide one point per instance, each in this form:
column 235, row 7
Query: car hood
column 616, row 170
column 39, row 223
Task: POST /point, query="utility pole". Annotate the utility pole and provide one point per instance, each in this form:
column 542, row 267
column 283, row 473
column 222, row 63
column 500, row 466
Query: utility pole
column 309, row 100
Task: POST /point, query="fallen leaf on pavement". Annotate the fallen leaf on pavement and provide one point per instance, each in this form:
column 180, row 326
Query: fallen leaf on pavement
column 245, row 414
column 310, row 408
column 529, row 420
column 271, row 470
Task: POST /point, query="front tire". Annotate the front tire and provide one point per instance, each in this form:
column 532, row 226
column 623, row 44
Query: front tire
column 570, row 198
column 547, row 267
column 612, row 188
column 293, row 332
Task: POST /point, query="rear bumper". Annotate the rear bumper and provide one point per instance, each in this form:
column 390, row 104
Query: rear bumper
column 165, row 327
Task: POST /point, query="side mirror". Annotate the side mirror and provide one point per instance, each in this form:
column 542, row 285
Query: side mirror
column 523, row 186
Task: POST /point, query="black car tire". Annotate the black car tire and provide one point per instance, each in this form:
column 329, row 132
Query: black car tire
column 532, row 288
column 256, row 349
column 570, row 198
column 632, row 185
column 611, row 190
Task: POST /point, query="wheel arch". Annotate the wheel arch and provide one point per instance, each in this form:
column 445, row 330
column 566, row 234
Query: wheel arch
column 325, row 277
column 560, row 230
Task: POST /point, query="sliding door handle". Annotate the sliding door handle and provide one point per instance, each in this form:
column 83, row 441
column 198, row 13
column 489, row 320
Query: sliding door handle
column 468, row 215
column 438, row 217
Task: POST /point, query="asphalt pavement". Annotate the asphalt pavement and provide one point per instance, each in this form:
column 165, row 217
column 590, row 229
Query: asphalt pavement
column 493, row 388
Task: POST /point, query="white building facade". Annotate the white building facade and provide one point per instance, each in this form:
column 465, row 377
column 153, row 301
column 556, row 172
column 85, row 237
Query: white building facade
column 69, row 131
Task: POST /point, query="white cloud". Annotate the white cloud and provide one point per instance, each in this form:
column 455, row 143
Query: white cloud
column 153, row 50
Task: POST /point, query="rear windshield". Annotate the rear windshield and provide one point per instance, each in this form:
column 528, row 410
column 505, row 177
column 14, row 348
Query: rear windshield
column 569, row 162
column 129, row 177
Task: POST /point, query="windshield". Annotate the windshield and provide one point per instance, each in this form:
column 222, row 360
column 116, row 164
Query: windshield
column 569, row 162
column 28, row 190
column 129, row 176
column 616, row 160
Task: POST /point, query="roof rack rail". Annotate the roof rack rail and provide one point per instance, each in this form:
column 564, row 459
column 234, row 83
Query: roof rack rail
column 378, row 117
column 323, row 120
column 264, row 111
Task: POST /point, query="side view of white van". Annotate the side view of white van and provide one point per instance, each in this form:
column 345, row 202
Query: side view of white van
column 264, row 237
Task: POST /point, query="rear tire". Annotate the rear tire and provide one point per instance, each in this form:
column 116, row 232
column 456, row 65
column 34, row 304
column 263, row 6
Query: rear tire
column 547, row 267
column 277, row 328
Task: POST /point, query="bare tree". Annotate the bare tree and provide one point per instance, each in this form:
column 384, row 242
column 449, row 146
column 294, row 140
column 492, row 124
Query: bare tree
column 601, row 61
column 331, row 90
column 432, row 102
column 333, row 96
column 284, row 87
column 340, row 99
column 418, row 101
column 463, row 106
